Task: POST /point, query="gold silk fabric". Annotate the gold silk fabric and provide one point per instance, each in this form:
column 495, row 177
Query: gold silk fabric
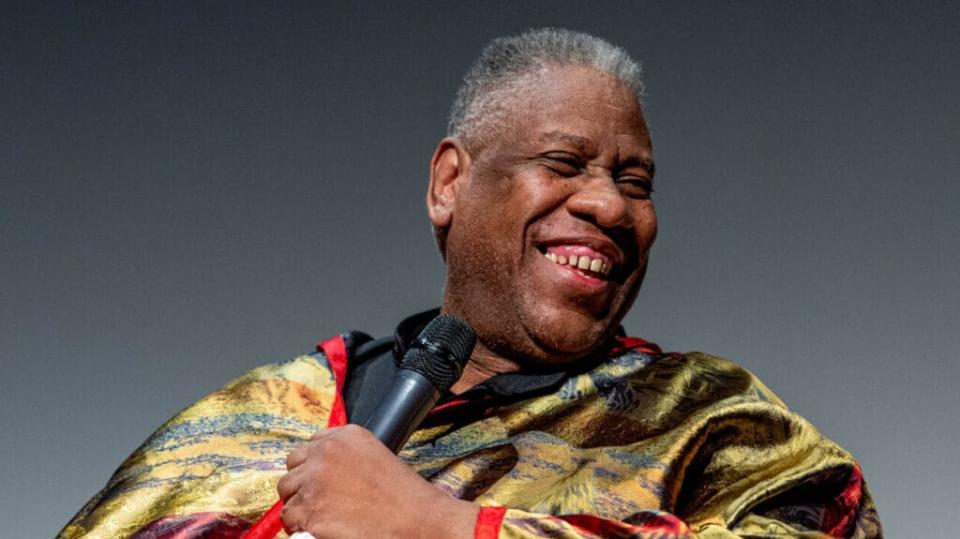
column 221, row 456
column 646, row 445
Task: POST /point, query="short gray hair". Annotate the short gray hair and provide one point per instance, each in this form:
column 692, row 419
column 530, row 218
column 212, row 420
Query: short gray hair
column 496, row 76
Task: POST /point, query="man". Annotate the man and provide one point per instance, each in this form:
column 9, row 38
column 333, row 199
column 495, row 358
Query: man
column 559, row 427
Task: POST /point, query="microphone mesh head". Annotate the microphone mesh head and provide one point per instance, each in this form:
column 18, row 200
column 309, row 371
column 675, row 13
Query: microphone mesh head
column 441, row 351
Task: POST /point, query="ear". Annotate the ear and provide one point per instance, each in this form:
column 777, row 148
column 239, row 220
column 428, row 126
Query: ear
column 448, row 173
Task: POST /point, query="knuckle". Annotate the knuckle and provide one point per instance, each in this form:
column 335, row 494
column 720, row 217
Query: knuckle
column 289, row 517
column 354, row 430
column 285, row 487
column 362, row 433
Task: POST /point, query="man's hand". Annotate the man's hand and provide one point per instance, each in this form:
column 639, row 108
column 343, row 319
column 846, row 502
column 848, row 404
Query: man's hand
column 345, row 483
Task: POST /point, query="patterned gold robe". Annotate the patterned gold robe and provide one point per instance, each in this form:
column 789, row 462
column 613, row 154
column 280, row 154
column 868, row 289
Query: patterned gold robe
column 645, row 444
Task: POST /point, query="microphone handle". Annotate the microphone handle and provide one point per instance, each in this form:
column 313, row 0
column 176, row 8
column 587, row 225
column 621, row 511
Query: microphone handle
column 402, row 408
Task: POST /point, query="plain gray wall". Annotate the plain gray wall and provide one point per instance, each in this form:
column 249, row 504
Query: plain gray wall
column 190, row 190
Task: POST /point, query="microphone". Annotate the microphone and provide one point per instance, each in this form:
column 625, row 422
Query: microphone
column 430, row 367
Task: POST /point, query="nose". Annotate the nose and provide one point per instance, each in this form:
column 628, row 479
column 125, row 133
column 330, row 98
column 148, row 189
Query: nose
column 598, row 200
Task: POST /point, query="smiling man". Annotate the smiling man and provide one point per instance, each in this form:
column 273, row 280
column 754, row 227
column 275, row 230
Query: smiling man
column 545, row 214
column 560, row 426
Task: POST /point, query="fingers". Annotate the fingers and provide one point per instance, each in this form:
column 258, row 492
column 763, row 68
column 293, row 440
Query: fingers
column 297, row 457
column 292, row 516
column 303, row 512
column 320, row 434
column 289, row 484
column 319, row 467
column 344, row 483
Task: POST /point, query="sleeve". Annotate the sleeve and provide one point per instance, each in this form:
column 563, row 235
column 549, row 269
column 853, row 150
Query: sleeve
column 213, row 468
column 740, row 466
column 814, row 509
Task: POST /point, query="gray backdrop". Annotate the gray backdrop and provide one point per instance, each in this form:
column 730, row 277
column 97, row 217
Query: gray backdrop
column 190, row 190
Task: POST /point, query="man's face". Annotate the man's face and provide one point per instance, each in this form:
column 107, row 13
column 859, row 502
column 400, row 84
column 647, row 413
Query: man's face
column 551, row 228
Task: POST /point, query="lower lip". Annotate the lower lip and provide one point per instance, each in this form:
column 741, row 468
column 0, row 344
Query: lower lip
column 579, row 279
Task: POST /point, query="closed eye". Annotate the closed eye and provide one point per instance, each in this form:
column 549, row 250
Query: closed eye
column 564, row 164
column 635, row 187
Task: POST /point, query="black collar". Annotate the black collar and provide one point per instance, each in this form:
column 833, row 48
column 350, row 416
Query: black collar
column 507, row 386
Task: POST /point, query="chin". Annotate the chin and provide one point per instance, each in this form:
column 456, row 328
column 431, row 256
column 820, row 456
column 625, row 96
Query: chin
column 566, row 336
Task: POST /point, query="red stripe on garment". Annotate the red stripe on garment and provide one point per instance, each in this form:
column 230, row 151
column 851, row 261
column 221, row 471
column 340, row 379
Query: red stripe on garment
column 665, row 525
column 635, row 343
column 841, row 515
column 447, row 405
column 336, row 351
column 219, row 525
column 270, row 524
column 489, row 520
column 599, row 527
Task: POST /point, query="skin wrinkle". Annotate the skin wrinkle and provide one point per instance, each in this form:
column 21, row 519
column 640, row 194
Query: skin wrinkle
column 501, row 201
column 490, row 118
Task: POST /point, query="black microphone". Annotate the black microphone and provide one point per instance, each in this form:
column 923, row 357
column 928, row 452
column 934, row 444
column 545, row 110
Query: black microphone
column 430, row 367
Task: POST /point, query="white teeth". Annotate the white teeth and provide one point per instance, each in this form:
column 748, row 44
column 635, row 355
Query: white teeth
column 581, row 262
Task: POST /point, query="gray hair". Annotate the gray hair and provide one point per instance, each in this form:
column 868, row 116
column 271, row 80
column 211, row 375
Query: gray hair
column 506, row 63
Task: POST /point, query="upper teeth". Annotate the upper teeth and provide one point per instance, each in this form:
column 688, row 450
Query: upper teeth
column 595, row 265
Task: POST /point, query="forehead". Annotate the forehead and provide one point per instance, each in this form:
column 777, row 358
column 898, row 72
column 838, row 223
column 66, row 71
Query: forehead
column 582, row 107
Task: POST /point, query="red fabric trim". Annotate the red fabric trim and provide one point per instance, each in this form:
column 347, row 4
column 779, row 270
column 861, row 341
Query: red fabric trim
column 635, row 343
column 336, row 351
column 664, row 524
column 489, row 520
column 596, row 525
column 270, row 524
column 267, row 526
column 219, row 525
column 446, row 405
column 841, row 515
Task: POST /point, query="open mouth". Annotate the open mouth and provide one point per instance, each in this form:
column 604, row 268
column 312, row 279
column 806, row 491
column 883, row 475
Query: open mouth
column 584, row 260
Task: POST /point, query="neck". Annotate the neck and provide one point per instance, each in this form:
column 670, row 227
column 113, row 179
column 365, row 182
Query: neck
column 483, row 365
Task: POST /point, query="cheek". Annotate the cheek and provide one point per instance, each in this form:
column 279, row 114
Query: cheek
column 646, row 226
column 477, row 251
